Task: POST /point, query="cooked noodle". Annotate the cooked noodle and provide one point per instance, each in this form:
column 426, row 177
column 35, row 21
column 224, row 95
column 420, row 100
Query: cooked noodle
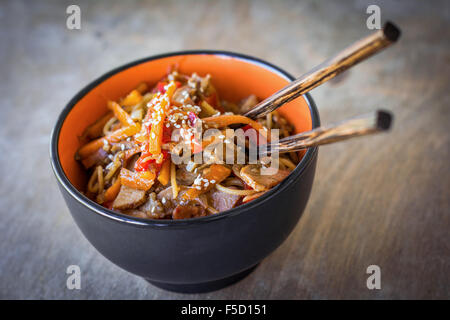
column 234, row 191
column 288, row 163
column 133, row 159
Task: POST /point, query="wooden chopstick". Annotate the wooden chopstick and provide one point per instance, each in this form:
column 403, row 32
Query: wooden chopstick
column 329, row 69
column 377, row 121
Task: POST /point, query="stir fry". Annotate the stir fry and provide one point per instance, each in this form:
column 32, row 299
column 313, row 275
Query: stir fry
column 142, row 157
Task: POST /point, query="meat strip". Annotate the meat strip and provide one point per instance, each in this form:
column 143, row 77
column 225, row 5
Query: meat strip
column 188, row 211
column 222, row 201
column 128, row 198
column 251, row 174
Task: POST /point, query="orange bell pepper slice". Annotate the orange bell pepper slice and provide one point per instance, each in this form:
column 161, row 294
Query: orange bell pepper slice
column 137, row 180
column 121, row 115
column 216, row 173
column 164, row 173
column 115, row 136
column 112, row 192
column 158, row 116
column 133, row 98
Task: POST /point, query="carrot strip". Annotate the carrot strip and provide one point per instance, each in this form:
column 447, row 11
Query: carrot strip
column 122, row 115
column 136, row 180
column 115, row 136
column 158, row 116
column 226, row 120
column 142, row 88
column 95, row 130
column 112, row 192
column 214, row 174
column 164, row 173
column 133, row 98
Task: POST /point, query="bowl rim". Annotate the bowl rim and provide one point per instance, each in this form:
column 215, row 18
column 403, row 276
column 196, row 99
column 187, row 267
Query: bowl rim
column 155, row 223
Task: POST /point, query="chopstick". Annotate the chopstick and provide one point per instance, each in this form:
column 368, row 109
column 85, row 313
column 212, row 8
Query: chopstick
column 329, row 69
column 371, row 123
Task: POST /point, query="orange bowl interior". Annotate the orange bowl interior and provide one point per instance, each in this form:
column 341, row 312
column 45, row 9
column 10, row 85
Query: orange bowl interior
column 235, row 78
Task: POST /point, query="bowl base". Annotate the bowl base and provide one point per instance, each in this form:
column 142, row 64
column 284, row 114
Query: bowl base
column 203, row 286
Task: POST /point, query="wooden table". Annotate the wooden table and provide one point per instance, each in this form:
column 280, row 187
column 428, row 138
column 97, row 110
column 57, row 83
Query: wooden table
column 381, row 200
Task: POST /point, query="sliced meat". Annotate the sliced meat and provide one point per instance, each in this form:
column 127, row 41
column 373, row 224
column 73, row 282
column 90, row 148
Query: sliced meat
column 153, row 207
column 251, row 174
column 182, row 95
column 135, row 213
column 95, row 159
column 128, row 198
column 248, row 103
column 165, row 197
column 185, row 177
column 254, row 196
column 222, row 201
column 166, row 194
column 202, row 200
column 188, row 211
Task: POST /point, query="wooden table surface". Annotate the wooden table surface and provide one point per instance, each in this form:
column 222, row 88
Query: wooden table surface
column 380, row 200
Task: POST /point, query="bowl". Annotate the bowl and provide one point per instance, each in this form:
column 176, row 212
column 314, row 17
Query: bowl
column 199, row 254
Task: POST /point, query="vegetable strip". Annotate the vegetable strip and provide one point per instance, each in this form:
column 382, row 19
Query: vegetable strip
column 141, row 181
column 227, row 120
column 122, row 115
column 112, row 192
column 115, row 136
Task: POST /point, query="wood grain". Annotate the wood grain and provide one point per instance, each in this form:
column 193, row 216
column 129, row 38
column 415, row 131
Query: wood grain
column 370, row 123
column 355, row 53
column 381, row 200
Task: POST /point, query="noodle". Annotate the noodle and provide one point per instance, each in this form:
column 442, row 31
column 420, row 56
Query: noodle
column 92, row 184
column 108, row 125
column 212, row 210
column 269, row 120
column 288, row 163
column 133, row 148
column 234, row 191
column 173, row 179
column 101, row 184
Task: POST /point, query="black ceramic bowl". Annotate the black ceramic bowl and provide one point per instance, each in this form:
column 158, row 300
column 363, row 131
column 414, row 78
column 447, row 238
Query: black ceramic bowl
column 199, row 254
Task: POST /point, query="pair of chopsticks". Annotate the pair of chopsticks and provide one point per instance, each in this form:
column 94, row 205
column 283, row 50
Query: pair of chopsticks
column 367, row 124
